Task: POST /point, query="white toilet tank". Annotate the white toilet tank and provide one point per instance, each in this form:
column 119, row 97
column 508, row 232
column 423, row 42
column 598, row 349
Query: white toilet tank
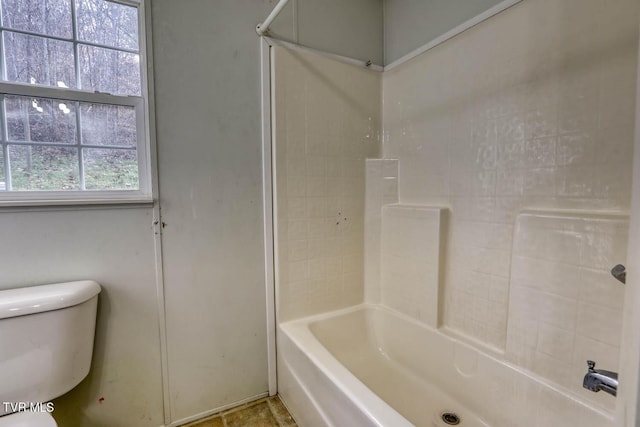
column 46, row 340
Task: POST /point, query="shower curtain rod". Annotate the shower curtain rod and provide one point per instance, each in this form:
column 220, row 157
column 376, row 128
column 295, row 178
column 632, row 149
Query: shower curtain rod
column 261, row 29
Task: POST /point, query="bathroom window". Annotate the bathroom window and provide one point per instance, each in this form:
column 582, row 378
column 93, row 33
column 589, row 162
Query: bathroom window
column 73, row 101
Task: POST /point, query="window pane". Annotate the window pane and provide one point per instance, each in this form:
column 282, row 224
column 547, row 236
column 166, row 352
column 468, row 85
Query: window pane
column 108, row 125
column 38, row 60
column 40, row 120
column 110, row 169
column 108, row 70
column 50, row 17
column 43, row 168
column 107, row 23
column 3, row 182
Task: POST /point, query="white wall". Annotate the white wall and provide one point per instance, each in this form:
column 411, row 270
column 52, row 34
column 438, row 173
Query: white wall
column 409, row 24
column 114, row 246
column 542, row 119
column 327, row 121
column 532, row 109
column 564, row 306
column 208, row 110
column 207, row 73
column 381, row 188
column 207, row 66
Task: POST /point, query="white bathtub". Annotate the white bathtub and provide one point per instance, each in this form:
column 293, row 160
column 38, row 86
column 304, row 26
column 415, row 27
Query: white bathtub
column 371, row 366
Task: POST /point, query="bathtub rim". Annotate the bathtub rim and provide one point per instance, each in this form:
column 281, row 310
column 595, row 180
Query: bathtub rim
column 300, row 333
column 370, row 404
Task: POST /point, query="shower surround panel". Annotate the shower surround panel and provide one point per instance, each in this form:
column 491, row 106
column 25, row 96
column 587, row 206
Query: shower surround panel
column 532, row 109
column 327, row 122
column 564, row 304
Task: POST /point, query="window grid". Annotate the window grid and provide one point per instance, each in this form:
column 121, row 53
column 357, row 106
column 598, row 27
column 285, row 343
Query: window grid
column 76, row 66
column 5, row 147
column 79, row 143
column 119, row 100
column 6, row 142
column 76, row 53
column 3, row 65
column 74, row 39
column 3, row 127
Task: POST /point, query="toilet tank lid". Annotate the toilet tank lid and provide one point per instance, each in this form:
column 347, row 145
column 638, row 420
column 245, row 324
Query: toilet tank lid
column 37, row 299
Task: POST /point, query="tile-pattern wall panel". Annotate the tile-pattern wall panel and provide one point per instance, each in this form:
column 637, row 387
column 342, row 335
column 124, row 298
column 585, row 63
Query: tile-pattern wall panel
column 533, row 108
column 410, row 260
column 564, row 306
column 327, row 121
column 381, row 188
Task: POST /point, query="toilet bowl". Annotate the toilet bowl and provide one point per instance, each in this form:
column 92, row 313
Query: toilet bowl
column 47, row 337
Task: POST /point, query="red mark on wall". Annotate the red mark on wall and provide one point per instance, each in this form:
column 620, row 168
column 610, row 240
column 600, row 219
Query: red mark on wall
column 101, row 400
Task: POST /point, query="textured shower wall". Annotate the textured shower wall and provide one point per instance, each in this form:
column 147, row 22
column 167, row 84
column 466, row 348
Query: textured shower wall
column 533, row 108
column 381, row 189
column 327, row 121
column 564, row 306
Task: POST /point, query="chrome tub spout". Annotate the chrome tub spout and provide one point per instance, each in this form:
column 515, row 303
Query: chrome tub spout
column 596, row 380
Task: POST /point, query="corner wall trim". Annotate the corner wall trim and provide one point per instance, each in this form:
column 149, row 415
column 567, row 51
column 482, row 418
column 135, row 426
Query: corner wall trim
column 267, row 203
column 214, row 411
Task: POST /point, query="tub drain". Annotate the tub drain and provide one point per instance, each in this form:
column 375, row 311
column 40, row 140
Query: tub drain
column 450, row 418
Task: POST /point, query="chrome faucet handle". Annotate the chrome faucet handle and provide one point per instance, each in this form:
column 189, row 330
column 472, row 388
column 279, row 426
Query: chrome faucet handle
column 591, row 365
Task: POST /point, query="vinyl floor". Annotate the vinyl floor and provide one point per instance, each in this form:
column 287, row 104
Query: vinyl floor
column 267, row 412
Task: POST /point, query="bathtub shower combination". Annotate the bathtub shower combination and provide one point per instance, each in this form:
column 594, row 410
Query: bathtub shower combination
column 448, row 231
column 371, row 366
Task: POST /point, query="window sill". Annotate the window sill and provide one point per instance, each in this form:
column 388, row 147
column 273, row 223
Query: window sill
column 80, row 202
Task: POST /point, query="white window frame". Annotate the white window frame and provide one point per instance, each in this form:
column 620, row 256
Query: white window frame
column 140, row 103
